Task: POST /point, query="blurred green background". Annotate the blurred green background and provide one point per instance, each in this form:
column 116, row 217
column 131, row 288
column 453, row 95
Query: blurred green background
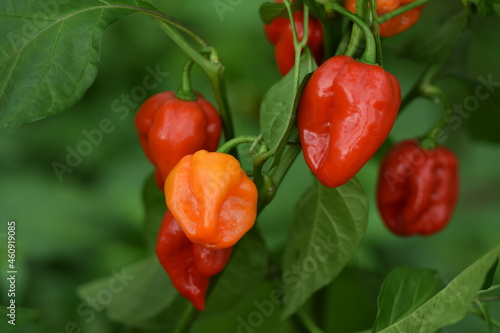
column 89, row 224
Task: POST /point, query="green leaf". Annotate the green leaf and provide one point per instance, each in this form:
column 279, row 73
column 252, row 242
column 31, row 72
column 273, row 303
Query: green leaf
column 404, row 290
column 269, row 11
column 451, row 304
column 434, row 46
column 327, row 229
column 247, row 267
column 49, row 54
column 134, row 295
column 155, row 208
column 279, row 105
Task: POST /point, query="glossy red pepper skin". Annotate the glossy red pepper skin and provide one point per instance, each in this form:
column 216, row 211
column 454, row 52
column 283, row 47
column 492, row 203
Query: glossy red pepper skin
column 188, row 265
column 279, row 33
column 170, row 128
column 397, row 24
column 345, row 113
column 417, row 189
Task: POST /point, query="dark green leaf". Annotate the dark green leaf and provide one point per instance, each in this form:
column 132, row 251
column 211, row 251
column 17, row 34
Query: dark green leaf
column 135, row 295
column 433, row 46
column 279, row 105
column 247, row 267
column 451, row 304
column 404, row 290
column 155, row 208
column 269, row 11
column 325, row 233
column 50, row 54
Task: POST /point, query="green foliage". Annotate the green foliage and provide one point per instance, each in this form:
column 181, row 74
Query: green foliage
column 404, row 290
column 43, row 56
column 269, row 11
column 279, row 106
column 449, row 305
column 92, row 223
column 327, row 229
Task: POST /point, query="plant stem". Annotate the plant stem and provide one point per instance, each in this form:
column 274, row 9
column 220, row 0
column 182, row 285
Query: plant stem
column 401, row 10
column 215, row 72
column 187, row 320
column 185, row 91
column 481, row 315
column 308, row 322
column 233, row 143
column 356, row 33
column 373, row 11
column 370, row 54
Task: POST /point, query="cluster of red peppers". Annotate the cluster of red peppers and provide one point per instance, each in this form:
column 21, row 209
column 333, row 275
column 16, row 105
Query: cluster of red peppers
column 211, row 201
column 346, row 112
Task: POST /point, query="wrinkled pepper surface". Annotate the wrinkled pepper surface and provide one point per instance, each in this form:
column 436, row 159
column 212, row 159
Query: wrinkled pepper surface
column 212, row 198
column 345, row 113
column 397, row 24
column 170, row 128
column 280, row 34
column 417, row 188
column 188, row 265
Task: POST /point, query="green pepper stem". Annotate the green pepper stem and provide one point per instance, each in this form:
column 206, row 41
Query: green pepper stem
column 481, row 315
column 311, row 326
column 401, row 10
column 233, row 143
column 212, row 67
column 185, row 91
column 370, row 54
column 376, row 31
column 356, row 33
column 436, row 95
column 187, row 320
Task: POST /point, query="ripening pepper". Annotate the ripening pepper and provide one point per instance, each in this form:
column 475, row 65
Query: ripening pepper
column 280, row 34
column 188, row 265
column 170, row 128
column 397, row 24
column 417, row 188
column 212, row 198
column 345, row 113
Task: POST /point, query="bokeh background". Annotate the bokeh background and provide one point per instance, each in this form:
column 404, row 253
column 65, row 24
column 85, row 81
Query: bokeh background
column 91, row 222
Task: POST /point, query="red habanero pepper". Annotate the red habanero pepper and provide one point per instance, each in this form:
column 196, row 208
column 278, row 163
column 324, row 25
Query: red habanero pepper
column 417, row 188
column 188, row 265
column 280, row 34
column 397, row 24
column 345, row 113
column 170, row 128
column 212, row 198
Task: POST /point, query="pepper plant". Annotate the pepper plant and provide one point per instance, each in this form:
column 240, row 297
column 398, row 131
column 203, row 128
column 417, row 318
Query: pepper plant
column 208, row 264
